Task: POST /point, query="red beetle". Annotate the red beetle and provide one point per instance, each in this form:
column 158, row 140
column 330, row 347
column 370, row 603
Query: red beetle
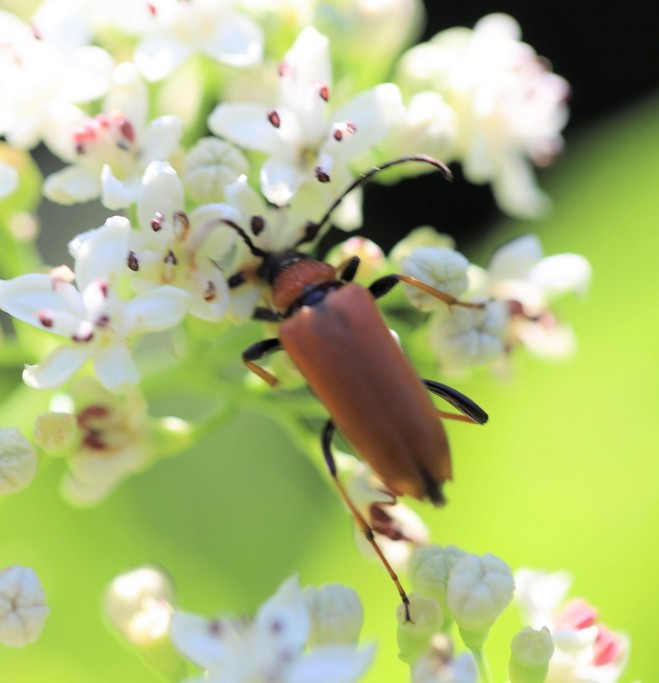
column 336, row 336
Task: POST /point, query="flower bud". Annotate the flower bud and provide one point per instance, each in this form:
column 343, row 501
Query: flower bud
column 530, row 652
column 426, row 619
column 440, row 267
column 370, row 254
column 336, row 615
column 18, row 461
column 55, row 432
column 210, row 166
column 429, row 571
column 137, row 604
column 23, row 608
column 479, row 589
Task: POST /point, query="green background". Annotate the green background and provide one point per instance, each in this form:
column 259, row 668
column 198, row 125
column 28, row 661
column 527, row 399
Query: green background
column 564, row 475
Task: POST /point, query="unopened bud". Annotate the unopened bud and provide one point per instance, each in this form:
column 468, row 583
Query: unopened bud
column 18, row 461
column 439, row 665
column 336, row 615
column 210, row 166
column 429, row 570
column 55, row 432
column 138, row 604
column 414, row 634
column 440, row 267
column 23, row 608
column 530, row 652
column 479, row 589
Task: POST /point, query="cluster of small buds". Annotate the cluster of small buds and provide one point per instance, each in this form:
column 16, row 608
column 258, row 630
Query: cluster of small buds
column 23, row 609
column 471, row 590
column 272, row 646
column 516, row 290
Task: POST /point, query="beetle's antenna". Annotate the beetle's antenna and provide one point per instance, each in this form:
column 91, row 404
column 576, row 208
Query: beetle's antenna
column 313, row 228
column 254, row 250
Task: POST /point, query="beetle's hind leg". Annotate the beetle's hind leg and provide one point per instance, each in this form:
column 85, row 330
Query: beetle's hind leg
column 385, row 284
column 258, row 351
column 471, row 411
column 326, row 441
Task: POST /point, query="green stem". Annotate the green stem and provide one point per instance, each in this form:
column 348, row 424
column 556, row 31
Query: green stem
column 481, row 663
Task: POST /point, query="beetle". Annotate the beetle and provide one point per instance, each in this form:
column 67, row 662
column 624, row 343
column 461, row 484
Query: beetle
column 334, row 333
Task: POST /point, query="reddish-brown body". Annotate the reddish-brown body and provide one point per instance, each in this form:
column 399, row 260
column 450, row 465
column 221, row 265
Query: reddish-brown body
column 352, row 363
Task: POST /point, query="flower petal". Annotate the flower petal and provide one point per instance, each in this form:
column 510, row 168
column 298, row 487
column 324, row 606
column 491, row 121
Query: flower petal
column 162, row 191
column 8, row 179
column 331, row 664
column 237, row 42
column 562, row 273
column 280, row 180
column 71, row 185
column 196, row 639
column 158, row 55
column 116, row 194
column 154, row 310
column 102, row 254
column 58, row 367
column 115, row 367
column 247, row 125
column 513, row 260
column 160, row 138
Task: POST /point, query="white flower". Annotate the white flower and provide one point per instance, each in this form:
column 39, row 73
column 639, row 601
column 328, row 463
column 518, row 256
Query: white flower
column 40, row 73
column 180, row 249
column 18, row 461
column 443, row 268
column 398, row 529
column 585, row 650
column 478, row 590
column 91, row 314
column 519, row 276
column 23, row 608
column 178, row 30
column 467, row 337
column 271, row 648
column 510, row 108
column 138, row 604
column 306, row 143
column 109, row 152
column 113, row 440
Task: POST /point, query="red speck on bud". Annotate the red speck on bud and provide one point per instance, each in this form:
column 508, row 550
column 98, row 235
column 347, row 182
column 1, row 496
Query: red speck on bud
column 103, row 120
column 351, row 127
column 36, row 32
column 103, row 288
column 284, row 69
column 103, row 321
column 338, row 135
column 153, row 10
column 273, row 118
column 45, row 319
column 321, row 176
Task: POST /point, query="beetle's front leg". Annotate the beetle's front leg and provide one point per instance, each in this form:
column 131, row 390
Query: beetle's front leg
column 258, row 351
column 385, row 284
column 326, row 442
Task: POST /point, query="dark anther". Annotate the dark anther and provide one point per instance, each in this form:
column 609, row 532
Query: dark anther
column 45, row 319
column 236, row 280
column 324, row 92
column 257, row 224
column 133, row 262
column 338, row 135
column 321, row 176
column 171, row 258
column 156, row 221
column 274, row 118
column 211, row 291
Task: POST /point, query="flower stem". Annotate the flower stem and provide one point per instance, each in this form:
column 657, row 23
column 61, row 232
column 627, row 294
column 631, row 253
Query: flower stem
column 481, row 663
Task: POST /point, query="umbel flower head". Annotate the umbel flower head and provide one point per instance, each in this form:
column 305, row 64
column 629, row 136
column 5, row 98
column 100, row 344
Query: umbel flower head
column 91, row 314
column 269, row 648
column 23, row 608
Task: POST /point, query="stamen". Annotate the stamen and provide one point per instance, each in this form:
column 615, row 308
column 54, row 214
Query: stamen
column 45, row 319
column 92, row 413
column 257, row 224
column 133, row 262
column 103, row 321
column 171, row 259
column 321, row 175
column 323, row 91
column 153, row 10
column 156, row 221
column 211, row 291
column 274, row 118
column 181, row 224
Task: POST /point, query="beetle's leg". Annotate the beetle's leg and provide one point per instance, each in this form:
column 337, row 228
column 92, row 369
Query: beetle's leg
column 472, row 412
column 326, row 441
column 266, row 315
column 236, row 280
column 258, row 351
column 348, row 269
column 385, row 284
